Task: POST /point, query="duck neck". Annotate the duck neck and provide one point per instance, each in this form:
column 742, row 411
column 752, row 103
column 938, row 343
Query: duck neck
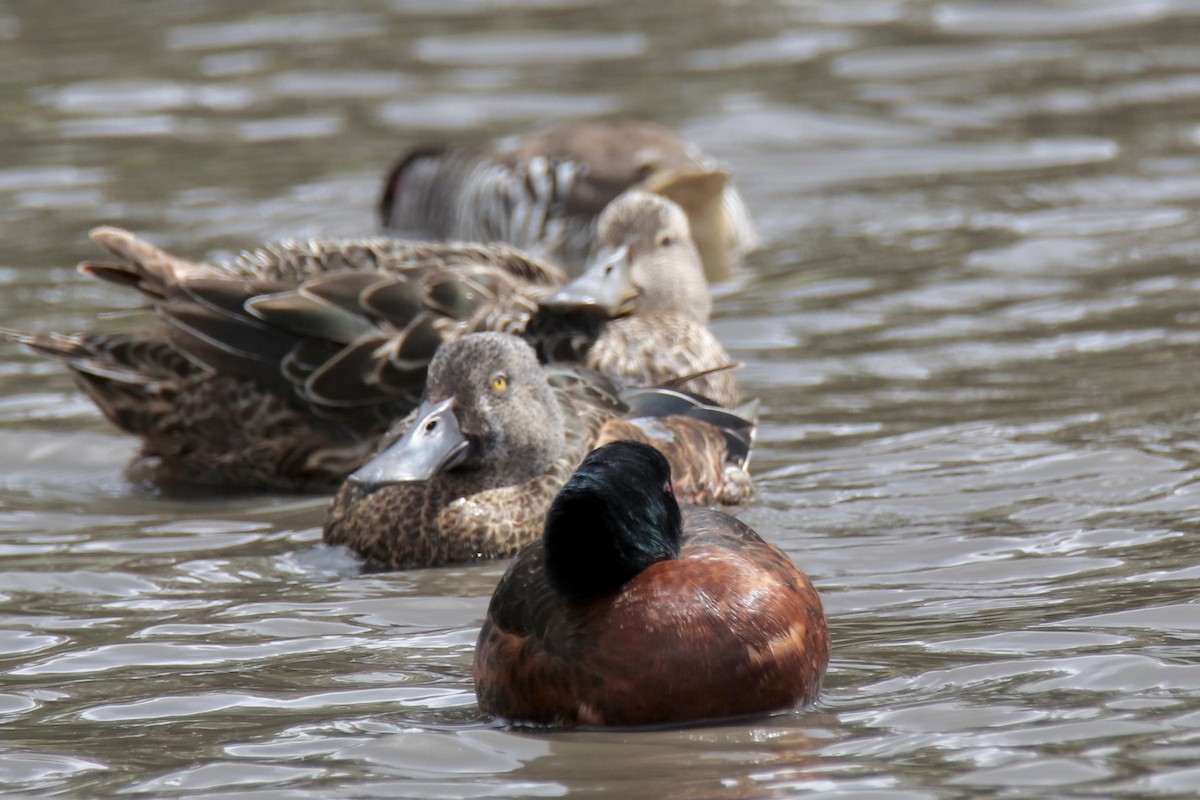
column 564, row 335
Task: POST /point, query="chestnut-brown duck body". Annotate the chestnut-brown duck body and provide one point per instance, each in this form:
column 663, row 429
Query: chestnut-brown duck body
column 632, row 611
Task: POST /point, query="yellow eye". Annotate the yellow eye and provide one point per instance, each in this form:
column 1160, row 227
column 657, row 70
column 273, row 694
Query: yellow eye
column 500, row 382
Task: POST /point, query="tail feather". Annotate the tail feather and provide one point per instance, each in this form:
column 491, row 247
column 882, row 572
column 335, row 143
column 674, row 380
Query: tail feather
column 145, row 267
column 124, row 358
column 52, row 344
column 131, row 378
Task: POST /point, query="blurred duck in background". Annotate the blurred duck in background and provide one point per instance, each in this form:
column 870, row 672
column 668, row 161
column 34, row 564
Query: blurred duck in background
column 544, row 193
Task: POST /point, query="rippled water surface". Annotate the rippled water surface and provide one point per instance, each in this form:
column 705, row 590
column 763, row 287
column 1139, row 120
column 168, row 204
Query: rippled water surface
column 974, row 327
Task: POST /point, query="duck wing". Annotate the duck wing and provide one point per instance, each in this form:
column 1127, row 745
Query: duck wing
column 337, row 323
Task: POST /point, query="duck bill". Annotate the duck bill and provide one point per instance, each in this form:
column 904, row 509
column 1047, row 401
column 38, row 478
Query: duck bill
column 433, row 444
column 606, row 286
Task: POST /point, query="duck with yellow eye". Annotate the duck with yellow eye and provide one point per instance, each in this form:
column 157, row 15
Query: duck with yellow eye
column 471, row 473
column 632, row 610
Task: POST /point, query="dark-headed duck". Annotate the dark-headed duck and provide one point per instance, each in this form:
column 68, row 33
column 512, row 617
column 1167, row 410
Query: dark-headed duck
column 632, row 611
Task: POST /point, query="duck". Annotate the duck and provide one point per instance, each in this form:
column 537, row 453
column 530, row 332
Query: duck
column 544, row 192
column 645, row 295
column 633, row 609
column 281, row 368
column 470, row 474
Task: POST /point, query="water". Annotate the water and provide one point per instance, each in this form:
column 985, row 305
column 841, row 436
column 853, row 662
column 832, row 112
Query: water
column 973, row 328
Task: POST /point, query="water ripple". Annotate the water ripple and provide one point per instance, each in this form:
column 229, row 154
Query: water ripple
column 284, row 28
column 199, row 705
column 554, row 48
column 460, row 111
column 164, row 654
column 1029, row 19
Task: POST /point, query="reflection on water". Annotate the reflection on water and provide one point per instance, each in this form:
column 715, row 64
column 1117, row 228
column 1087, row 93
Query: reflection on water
column 973, row 329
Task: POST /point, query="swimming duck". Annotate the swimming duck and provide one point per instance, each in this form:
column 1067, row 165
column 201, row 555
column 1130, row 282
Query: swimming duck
column 471, row 472
column 645, row 289
column 544, row 192
column 281, row 368
column 632, row 610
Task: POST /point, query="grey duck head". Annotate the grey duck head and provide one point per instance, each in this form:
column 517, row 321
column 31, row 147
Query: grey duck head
column 489, row 418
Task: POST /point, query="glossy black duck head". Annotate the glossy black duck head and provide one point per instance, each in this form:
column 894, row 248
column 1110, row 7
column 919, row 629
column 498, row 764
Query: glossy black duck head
column 616, row 516
column 489, row 416
column 645, row 263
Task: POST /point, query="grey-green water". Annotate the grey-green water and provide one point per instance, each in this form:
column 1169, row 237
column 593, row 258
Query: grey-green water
column 974, row 327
